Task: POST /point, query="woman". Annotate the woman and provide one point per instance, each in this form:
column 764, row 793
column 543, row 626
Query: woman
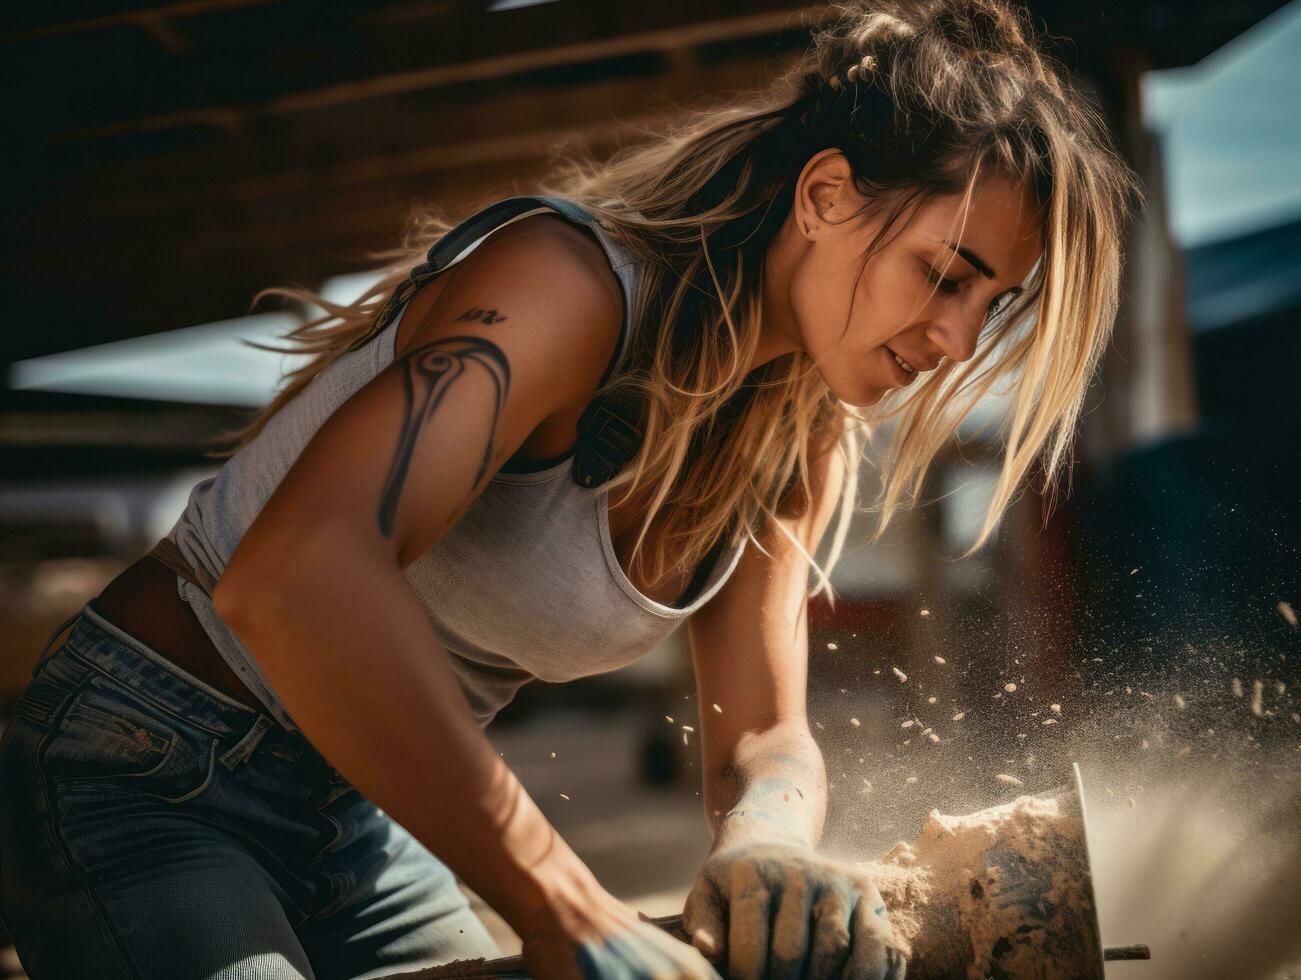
column 536, row 463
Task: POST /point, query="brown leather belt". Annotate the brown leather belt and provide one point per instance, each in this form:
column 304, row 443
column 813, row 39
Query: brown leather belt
column 143, row 601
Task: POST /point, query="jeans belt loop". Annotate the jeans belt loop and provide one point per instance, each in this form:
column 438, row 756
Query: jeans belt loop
column 45, row 651
column 242, row 749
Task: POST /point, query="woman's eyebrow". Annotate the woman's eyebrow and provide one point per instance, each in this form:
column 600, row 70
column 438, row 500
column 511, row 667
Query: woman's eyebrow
column 976, row 261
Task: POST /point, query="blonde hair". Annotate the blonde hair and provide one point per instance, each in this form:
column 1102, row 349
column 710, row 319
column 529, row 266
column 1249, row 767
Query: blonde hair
column 924, row 99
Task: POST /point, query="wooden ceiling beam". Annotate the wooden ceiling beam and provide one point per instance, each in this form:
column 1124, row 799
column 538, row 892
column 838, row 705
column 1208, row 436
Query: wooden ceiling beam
column 140, row 17
column 478, row 70
column 520, row 128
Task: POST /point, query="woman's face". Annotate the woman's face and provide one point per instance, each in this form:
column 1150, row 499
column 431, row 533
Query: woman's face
column 925, row 296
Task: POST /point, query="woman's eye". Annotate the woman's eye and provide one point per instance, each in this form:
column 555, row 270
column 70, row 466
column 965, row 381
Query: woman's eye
column 945, row 284
column 997, row 306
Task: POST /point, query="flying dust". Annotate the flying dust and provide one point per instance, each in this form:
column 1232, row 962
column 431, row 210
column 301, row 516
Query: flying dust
column 1192, row 778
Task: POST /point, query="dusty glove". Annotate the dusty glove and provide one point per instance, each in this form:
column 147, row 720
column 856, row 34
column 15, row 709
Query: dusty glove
column 765, row 910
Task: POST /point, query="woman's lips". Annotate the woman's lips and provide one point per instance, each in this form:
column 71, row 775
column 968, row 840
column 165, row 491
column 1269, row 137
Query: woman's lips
column 903, row 377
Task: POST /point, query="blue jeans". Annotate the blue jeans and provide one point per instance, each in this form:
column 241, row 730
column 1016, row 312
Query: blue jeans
column 150, row 826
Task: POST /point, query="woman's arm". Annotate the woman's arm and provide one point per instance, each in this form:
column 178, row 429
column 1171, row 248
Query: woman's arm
column 316, row 587
column 762, row 771
column 765, row 902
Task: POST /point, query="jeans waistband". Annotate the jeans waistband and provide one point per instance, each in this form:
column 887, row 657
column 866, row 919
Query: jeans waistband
column 153, row 677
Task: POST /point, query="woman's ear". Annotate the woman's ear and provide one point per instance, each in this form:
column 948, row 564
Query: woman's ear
column 818, row 198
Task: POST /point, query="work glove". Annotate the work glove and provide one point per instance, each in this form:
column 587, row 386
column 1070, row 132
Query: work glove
column 766, row 910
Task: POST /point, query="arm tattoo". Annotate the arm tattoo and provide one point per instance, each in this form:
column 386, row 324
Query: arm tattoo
column 428, row 373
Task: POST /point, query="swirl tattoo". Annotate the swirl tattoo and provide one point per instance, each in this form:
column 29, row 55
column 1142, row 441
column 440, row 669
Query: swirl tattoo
column 428, row 373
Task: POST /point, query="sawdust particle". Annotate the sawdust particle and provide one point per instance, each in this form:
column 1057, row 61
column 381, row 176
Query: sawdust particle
column 900, row 674
column 1004, row 778
column 941, row 661
column 855, row 722
column 1289, row 615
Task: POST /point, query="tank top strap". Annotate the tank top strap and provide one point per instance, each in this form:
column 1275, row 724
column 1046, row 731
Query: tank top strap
column 464, row 236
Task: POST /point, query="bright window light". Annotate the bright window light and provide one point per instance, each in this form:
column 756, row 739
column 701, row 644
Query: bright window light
column 1231, row 133
column 204, row 364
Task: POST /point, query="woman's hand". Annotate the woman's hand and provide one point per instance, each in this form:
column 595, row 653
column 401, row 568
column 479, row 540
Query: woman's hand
column 601, row 937
column 827, row 919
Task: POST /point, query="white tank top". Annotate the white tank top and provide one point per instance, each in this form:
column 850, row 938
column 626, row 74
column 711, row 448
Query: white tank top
column 526, row 584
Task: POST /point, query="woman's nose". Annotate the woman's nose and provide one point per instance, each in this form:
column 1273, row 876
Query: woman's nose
column 955, row 338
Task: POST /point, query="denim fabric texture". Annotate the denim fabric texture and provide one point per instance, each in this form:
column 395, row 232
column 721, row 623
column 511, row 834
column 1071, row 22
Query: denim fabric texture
column 152, row 827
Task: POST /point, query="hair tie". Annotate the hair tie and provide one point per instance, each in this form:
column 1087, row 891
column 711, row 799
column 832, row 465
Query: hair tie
column 862, row 68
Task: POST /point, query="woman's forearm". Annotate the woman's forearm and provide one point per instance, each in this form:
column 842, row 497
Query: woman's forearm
column 774, row 788
column 361, row 670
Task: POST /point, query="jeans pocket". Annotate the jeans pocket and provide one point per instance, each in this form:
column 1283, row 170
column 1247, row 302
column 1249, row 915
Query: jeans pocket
column 106, row 740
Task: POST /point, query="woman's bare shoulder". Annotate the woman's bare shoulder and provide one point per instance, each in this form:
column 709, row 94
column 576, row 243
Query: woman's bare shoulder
column 554, row 261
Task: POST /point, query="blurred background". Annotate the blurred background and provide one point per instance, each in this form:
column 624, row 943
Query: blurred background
column 165, row 160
